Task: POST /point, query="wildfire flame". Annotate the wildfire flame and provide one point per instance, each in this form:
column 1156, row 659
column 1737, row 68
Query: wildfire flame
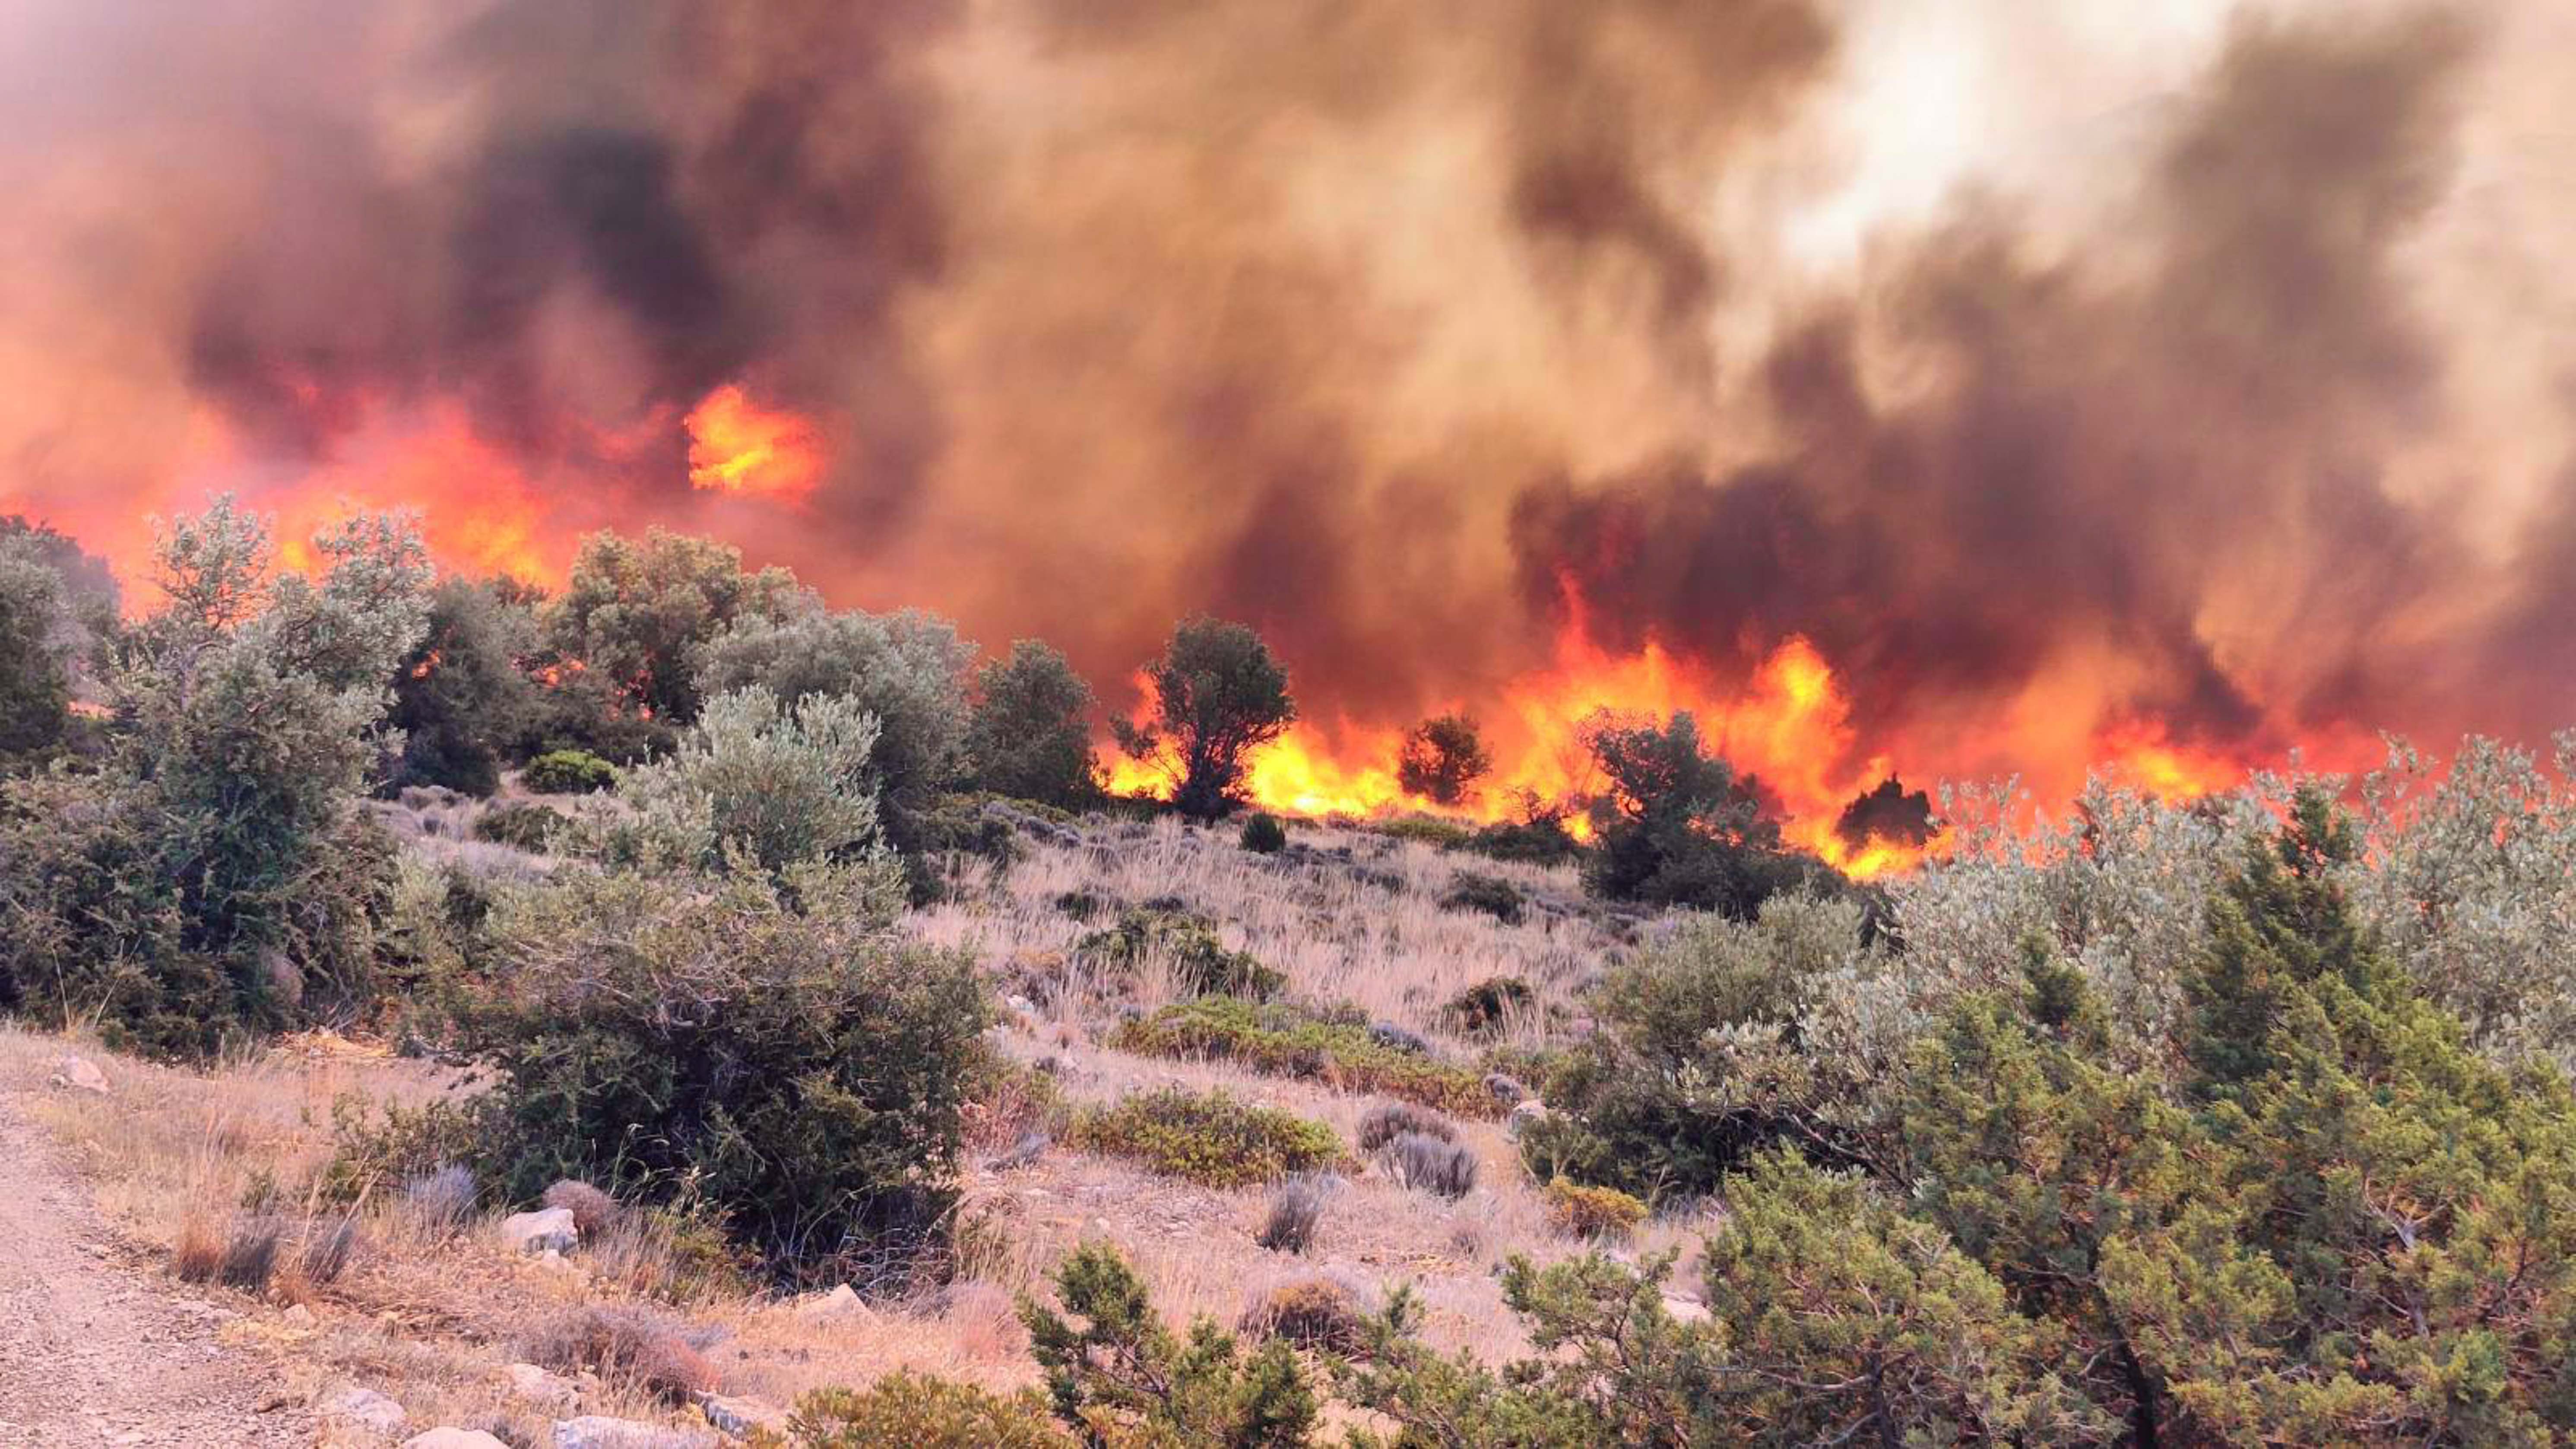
column 738, row 446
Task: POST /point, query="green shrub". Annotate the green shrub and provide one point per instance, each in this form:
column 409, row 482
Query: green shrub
column 1289, row 1041
column 1029, row 736
column 1537, row 835
column 1207, row 1137
column 1491, row 895
column 922, row 1411
column 1431, row 830
column 1486, row 1007
column 768, row 1045
column 381, row 1148
column 1118, row 1376
column 1199, row 959
column 519, row 824
column 568, row 772
column 215, row 878
column 1593, row 1212
column 1262, row 834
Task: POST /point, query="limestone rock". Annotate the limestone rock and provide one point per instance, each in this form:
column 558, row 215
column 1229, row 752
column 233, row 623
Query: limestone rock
column 739, row 1416
column 534, row 1385
column 598, row 1431
column 537, row 1231
column 365, row 1408
column 79, row 1074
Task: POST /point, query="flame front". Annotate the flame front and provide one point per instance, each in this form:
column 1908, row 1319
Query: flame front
column 738, row 446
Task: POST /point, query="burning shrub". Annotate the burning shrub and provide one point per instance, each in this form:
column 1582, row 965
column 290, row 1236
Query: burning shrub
column 1262, row 834
column 1492, row 895
column 1290, row 1041
column 1188, row 942
column 1536, row 835
column 460, row 697
column 1218, row 694
column 568, row 772
column 1207, row 1137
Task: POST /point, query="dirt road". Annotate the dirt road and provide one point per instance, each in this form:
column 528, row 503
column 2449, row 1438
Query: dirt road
column 97, row 1350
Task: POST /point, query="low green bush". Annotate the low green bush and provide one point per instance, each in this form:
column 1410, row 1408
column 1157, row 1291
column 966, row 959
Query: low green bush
column 1484, row 1008
column 1200, row 960
column 1262, row 834
column 519, row 824
column 1120, row 1377
column 921, row 1411
column 1490, row 895
column 1593, row 1212
column 1209, row 1138
column 1431, row 830
column 767, row 1046
column 1290, row 1041
column 568, row 772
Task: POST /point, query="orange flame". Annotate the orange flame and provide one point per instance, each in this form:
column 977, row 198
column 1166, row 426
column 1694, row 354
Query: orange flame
column 738, row 446
column 1788, row 724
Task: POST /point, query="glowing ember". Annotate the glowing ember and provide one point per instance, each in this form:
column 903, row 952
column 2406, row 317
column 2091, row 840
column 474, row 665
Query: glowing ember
column 738, row 446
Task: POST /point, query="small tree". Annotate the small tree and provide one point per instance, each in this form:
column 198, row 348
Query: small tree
column 1030, row 733
column 1441, row 758
column 35, row 685
column 460, row 697
column 1121, row 1377
column 770, row 785
column 907, row 669
column 1678, row 826
column 634, row 614
column 1218, row 695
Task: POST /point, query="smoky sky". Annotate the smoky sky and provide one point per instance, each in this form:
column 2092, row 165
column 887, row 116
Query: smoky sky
column 1408, row 333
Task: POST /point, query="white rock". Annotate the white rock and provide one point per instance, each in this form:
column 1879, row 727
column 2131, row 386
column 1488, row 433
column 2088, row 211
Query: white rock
column 1685, row 1310
column 739, row 1416
column 79, row 1074
column 445, row 1437
column 367, row 1408
column 598, row 1431
column 843, row 1299
column 298, row 1315
column 537, row 1231
column 536, row 1386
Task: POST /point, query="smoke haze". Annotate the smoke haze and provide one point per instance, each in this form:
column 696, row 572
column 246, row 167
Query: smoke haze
column 2077, row 386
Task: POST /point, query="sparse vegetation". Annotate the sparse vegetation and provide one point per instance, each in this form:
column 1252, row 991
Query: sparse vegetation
column 1117, row 1374
column 519, row 824
column 1495, row 897
column 1491, row 1004
column 1188, row 944
column 1427, row 1163
column 1289, row 1041
column 1207, row 1137
column 1296, row 1210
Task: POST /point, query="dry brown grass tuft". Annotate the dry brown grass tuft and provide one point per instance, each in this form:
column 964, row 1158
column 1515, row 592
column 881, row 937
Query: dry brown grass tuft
column 624, row 1342
column 1326, row 1312
column 1385, row 1123
column 593, row 1211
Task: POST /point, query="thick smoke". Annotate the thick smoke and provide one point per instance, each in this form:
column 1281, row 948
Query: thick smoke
column 1412, row 334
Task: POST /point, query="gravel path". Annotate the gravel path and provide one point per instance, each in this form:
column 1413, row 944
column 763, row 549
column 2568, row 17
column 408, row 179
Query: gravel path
column 97, row 1351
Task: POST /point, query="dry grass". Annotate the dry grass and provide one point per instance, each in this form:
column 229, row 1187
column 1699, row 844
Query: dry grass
column 426, row 1307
